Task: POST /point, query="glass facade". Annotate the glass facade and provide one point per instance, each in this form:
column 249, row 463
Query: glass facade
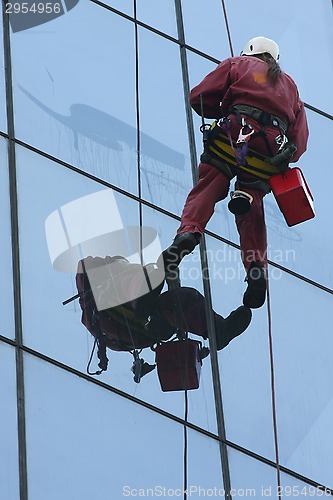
column 95, row 100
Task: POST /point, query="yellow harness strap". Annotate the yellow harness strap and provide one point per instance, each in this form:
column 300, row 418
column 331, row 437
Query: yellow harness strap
column 256, row 164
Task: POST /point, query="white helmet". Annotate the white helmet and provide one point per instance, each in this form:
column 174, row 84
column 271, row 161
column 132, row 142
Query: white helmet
column 259, row 45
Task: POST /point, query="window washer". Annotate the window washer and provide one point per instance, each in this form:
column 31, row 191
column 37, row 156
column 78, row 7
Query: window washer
column 260, row 127
column 145, row 319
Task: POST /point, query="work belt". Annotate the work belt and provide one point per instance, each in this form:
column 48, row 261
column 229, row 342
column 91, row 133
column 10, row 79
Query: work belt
column 230, row 172
column 218, row 152
column 260, row 116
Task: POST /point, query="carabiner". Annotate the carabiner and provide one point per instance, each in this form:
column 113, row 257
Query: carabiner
column 244, row 136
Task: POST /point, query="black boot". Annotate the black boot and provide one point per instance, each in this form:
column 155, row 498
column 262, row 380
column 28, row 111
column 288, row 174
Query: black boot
column 182, row 245
column 255, row 294
column 232, row 326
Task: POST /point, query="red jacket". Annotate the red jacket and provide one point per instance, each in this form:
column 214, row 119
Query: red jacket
column 242, row 80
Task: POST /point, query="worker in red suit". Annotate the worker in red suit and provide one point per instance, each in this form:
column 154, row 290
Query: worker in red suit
column 257, row 109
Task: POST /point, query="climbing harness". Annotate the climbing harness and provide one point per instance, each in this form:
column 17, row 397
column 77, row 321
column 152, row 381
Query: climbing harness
column 140, row 367
column 289, row 186
column 242, row 142
column 262, row 117
column 221, row 148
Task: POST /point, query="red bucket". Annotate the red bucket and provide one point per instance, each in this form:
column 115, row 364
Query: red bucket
column 293, row 196
column 178, row 365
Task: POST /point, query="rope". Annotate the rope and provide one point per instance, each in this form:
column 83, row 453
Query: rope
column 138, row 139
column 138, row 129
column 138, row 142
column 227, row 26
column 276, row 444
column 185, row 446
column 271, row 356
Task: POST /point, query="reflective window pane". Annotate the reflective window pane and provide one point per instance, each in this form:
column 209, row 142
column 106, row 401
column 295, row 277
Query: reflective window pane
column 245, row 368
column 302, row 346
column 289, row 25
column 163, row 18
column 306, row 247
column 244, row 363
column 6, row 276
column 125, row 6
column 9, row 482
column 201, row 401
column 75, row 81
column 197, row 17
column 75, row 99
column 251, row 478
column 165, row 161
column 86, row 434
column 64, row 336
column 42, row 298
column 308, row 244
column 204, row 467
column 294, row 487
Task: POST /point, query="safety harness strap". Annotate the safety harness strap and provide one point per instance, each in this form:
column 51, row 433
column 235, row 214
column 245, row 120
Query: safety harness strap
column 226, row 169
column 259, row 115
column 259, row 185
column 219, row 148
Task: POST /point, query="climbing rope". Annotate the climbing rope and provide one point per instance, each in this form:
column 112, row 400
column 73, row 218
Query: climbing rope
column 271, row 356
column 227, row 26
column 270, row 335
column 185, row 446
column 138, row 125
column 272, row 370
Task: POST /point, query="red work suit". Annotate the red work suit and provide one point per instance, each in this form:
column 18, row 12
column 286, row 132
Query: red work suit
column 243, row 80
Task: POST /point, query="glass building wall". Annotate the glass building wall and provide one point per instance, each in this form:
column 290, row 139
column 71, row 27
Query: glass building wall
column 95, row 99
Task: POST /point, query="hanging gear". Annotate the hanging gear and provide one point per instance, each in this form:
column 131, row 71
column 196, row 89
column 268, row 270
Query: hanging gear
column 259, row 115
column 293, row 196
column 240, row 202
column 179, row 362
column 281, row 159
column 179, row 365
column 260, row 45
column 140, row 368
column 230, row 158
column 100, row 341
column 289, row 186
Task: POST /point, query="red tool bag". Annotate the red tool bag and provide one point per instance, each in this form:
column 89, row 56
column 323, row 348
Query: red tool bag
column 178, row 365
column 293, row 196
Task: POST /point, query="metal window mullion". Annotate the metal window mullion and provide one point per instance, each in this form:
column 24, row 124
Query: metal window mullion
column 204, row 264
column 22, row 451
